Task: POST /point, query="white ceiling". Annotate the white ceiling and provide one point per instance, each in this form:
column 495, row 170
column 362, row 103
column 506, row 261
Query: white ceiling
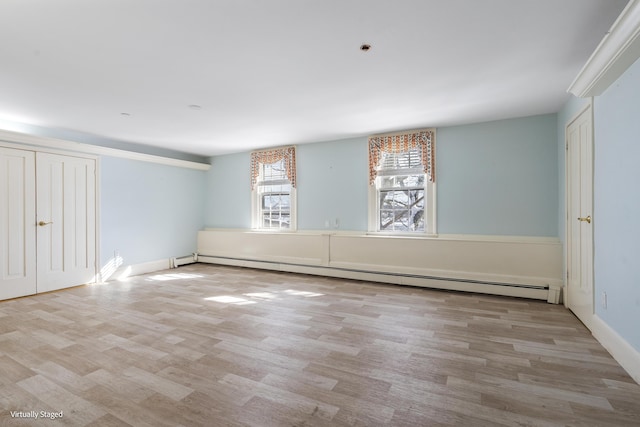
column 278, row 72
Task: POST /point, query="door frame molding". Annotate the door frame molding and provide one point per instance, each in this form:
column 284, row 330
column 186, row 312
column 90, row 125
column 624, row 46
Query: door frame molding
column 567, row 246
column 43, row 149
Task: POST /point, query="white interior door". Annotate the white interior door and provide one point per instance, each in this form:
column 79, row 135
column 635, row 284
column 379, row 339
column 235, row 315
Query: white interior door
column 66, row 212
column 580, row 292
column 17, row 223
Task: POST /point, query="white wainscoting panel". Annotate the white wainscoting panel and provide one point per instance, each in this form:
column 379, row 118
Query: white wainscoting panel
column 525, row 267
column 294, row 248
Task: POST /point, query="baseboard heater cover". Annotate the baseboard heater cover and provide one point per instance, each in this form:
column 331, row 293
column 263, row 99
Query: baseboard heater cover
column 176, row 262
column 543, row 292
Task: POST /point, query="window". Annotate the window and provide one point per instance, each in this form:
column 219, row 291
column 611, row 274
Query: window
column 273, row 189
column 402, row 189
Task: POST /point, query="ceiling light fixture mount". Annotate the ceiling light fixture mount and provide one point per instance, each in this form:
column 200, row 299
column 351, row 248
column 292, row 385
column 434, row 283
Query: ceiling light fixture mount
column 365, row 47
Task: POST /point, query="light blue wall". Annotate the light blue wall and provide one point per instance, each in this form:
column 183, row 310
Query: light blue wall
column 493, row 178
column 617, row 205
column 498, row 178
column 148, row 211
column 228, row 192
column 333, row 184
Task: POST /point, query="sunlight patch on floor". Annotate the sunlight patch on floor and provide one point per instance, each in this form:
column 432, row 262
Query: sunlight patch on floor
column 172, row 276
column 255, row 297
column 261, row 295
column 227, row 299
column 302, row 293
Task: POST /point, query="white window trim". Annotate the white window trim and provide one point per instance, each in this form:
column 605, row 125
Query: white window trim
column 256, row 220
column 258, row 160
column 430, row 213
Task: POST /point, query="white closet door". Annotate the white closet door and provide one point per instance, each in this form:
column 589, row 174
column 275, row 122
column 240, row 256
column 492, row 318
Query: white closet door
column 17, row 223
column 580, row 293
column 66, row 208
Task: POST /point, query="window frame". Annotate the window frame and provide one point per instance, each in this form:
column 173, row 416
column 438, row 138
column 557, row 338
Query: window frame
column 374, row 198
column 257, row 210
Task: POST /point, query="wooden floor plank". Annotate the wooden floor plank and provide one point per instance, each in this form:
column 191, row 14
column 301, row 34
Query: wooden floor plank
column 226, row 346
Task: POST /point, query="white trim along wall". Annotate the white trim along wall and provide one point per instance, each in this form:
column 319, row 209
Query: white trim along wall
column 619, row 48
column 53, row 145
column 527, row 267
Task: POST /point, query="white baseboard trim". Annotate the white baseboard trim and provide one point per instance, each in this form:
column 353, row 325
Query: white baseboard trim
column 440, row 273
column 627, row 356
column 124, row 271
column 136, row 269
column 549, row 295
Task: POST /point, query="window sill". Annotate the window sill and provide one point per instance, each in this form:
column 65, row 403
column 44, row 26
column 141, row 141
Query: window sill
column 408, row 235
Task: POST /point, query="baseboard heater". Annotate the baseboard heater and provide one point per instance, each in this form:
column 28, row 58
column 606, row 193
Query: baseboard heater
column 548, row 293
column 176, row 262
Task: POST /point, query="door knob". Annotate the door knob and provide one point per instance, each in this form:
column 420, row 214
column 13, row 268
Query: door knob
column 587, row 219
column 42, row 223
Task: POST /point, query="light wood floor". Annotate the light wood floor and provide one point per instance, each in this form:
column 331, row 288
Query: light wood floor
column 222, row 346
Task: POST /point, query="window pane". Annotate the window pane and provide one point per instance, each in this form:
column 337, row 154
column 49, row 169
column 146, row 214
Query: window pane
column 402, row 181
column 386, row 199
column 386, row 220
column 395, row 199
column 417, row 220
column 417, row 198
column 273, row 171
column 280, row 188
column 276, row 220
column 402, row 210
column 276, row 201
column 269, row 202
column 404, row 160
column 394, row 220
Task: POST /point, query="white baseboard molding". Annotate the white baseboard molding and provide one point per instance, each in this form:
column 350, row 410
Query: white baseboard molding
column 472, row 276
column 549, row 293
column 125, row 271
column 627, row 356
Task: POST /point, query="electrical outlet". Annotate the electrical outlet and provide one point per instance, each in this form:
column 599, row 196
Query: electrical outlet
column 603, row 300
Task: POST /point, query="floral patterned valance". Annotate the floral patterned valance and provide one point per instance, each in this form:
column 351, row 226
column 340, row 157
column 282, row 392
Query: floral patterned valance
column 273, row 156
column 423, row 140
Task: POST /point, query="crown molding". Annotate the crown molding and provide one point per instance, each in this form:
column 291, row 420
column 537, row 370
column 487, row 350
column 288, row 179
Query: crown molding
column 617, row 51
column 59, row 144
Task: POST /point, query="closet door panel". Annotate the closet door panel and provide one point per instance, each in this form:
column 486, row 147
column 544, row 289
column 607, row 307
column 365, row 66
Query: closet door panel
column 17, row 223
column 66, row 199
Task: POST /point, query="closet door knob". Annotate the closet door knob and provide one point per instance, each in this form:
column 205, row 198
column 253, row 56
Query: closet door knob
column 587, row 219
column 42, row 223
